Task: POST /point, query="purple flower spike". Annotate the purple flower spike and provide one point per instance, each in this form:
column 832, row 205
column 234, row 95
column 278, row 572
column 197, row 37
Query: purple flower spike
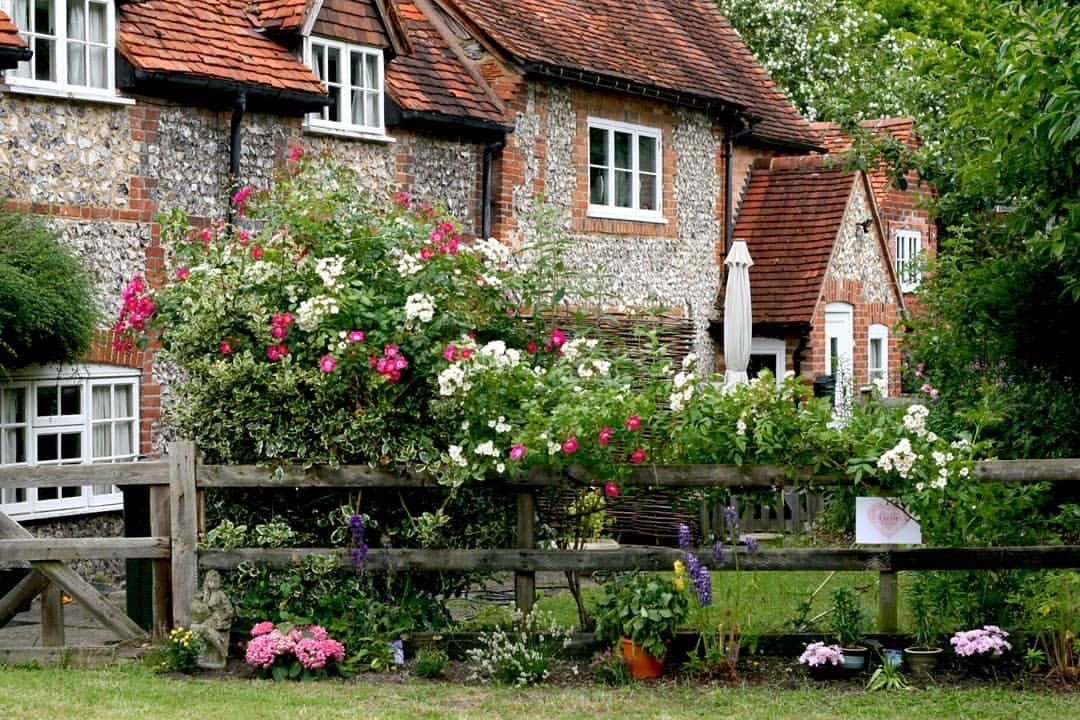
column 718, row 553
column 685, row 539
column 751, row 543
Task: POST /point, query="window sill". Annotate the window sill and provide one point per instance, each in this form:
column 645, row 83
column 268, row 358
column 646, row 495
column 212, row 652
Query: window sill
column 344, row 132
column 68, row 94
column 628, row 216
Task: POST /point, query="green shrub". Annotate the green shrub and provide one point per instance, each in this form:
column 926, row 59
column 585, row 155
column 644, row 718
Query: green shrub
column 46, row 296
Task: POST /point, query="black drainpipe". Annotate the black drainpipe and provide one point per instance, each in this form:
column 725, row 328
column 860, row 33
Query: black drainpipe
column 234, row 145
column 485, row 201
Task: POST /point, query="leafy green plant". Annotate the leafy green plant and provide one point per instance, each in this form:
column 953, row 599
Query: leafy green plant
column 47, row 306
column 609, row 667
column 431, row 663
column 927, row 613
column 887, row 676
column 522, row 654
column 849, row 618
column 180, row 652
column 644, row 607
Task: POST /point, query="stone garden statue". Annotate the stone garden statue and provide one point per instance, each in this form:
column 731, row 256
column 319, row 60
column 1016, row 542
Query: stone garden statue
column 211, row 617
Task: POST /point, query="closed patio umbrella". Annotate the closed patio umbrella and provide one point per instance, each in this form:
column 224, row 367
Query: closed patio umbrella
column 737, row 317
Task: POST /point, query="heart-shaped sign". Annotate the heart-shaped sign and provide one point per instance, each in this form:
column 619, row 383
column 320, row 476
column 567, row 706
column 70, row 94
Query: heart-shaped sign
column 888, row 519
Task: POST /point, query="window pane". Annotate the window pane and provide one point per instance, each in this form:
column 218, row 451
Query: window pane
column 71, row 446
column 99, row 22
column 333, row 69
column 875, row 353
column 624, row 189
column 76, row 21
column 70, row 492
column 47, row 493
column 14, row 406
column 647, row 154
column 647, row 193
column 76, row 64
column 22, row 14
column 44, row 20
column 102, row 440
column 358, row 107
column 371, row 110
column 123, row 435
column 597, row 186
column 357, row 69
column 48, row 448
column 14, row 446
column 371, row 80
column 122, row 395
column 71, row 400
column 44, row 62
column 317, row 61
column 48, row 401
column 99, row 67
column 597, row 146
column 623, row 150
column 100, row 402
column 333, row 111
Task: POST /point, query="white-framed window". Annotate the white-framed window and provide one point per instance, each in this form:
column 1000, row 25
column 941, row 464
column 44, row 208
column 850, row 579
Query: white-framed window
column 768, row 353
column 877, row 355
column 908, row 247
column 60, row 415
column 625, row 172
column 353, row 76
column 73, row 42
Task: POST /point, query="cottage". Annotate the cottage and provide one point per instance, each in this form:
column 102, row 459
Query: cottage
column 640, row 133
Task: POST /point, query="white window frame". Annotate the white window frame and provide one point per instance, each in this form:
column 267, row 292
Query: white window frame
column 320, row 121
column 775, row 347
column 878, row 333
column 18, row 79
column 908, row 244
column 609, row 209
column 88, row 378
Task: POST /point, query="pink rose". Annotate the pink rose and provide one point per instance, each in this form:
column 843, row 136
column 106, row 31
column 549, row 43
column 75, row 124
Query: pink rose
column 356, row 336
column 225, row 347
column 182, row 273
column 257, row 252
column 327, row 364
column 517, row 452
column 611, row 490
column 570, row 446
column 637, row 457
column 605, row 436
column 633, row 422
column 449, row 352
column 557, row 338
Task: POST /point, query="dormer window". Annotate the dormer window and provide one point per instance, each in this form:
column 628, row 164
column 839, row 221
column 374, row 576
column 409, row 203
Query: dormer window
column 73, row 43
column 353, row 76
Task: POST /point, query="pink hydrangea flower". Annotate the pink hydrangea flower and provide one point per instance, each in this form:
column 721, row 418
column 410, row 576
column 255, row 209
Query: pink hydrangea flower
column 262, row 628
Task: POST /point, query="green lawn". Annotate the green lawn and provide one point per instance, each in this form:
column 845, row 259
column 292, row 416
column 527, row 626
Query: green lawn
column 132, row 692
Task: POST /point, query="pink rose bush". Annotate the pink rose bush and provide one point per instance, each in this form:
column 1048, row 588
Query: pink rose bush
column 292, row 651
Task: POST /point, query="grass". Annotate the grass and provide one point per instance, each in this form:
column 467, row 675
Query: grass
column 132, row 692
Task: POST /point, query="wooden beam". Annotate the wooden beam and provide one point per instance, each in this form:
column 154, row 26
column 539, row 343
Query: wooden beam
column 660, row 558
column 52, row 616
column 1065, row 470
column 525, row 539
column 67, row 657
column 343, row 476
column 24, row 591
column 152, row 472
column 77, row 588
column 34, row 549
column 184, row 530
column 160, row 524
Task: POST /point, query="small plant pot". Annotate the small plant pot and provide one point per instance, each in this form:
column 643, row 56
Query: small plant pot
column 853, row 659
column 641, row 664
column 922, row 661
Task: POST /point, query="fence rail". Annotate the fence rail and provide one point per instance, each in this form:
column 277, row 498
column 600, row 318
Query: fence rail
column 175, row 485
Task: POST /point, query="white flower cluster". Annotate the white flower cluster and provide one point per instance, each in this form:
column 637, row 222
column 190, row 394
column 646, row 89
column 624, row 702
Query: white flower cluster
column 456, row 455
column 330, row 270
column 502, row 356
column 576, row 347
column 259, row 272
column 915, row 419
column 683, row 389
column 520, row 655
column 901, row 458
column 453, row 380
column 591, row 368
column 419, row 306
column 407, row 264
column 487, row 448
column 495, row 253
column 313, row 310
column 499, row 425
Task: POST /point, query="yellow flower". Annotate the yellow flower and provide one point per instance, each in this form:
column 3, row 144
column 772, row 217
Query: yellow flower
column 680, row 584
column 680, row 569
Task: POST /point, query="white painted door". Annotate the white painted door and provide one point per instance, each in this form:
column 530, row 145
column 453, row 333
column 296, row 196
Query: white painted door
column 839, row 349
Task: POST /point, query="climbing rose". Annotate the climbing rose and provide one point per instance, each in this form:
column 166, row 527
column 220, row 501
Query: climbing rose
column 182, row 273
column 327, row 363
column 517, row 452
column 611, row 490
column 225, row 347
column 633, row 422
column 637, row 457
column 605, row 436
column 570, row 445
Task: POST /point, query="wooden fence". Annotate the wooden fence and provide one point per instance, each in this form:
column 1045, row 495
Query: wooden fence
column 176, row 483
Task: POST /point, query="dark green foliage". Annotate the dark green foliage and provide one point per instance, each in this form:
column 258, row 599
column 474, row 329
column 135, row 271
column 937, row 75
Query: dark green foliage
column 46, row 296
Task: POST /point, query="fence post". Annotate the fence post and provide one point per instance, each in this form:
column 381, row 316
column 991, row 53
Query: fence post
column 183, row 530
column 525, row 581
column 888, row 592
column 52, row 616
column 161, row 570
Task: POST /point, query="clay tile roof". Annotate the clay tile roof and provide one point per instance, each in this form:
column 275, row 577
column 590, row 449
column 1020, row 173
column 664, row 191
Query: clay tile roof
column 280, row 15
column 432, row 78
column 676, row 46
column 790, row 219
column 9, row 34
column 837, row 141
column 209, row 39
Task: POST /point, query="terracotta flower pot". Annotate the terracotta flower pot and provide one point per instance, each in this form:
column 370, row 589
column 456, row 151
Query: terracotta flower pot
column 641, row 664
